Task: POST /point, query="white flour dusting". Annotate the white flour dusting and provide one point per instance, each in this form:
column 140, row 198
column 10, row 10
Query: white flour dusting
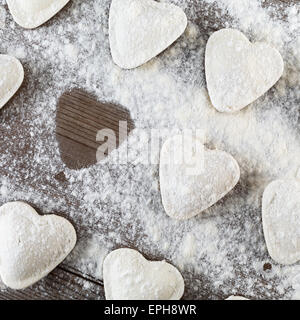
column 2, row 17
column 221, row 253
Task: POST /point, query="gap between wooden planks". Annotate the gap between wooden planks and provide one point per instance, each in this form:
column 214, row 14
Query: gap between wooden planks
column 60, row 284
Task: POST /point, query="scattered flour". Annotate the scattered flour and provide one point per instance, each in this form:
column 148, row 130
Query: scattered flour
column 18, row 52
column 71, row 52
column 2, row 17
column 220, row 253
column 90, row 255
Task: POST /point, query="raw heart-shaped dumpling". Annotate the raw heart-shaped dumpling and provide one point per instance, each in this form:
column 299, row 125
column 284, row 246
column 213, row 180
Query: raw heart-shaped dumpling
column 141, row 29
column 31, row 245
column 185, row 194
column 236, row 298
column 281, row 220
column 11, row 77
column 129, row 276
column 30, row 14
column 237, row 71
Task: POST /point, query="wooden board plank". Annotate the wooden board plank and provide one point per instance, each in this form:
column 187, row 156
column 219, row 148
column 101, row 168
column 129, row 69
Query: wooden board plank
column 60, row 284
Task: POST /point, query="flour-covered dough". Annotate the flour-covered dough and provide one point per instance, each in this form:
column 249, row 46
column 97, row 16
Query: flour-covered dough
column 31, row 245
column 185, row 195
column 236, row 298
column 30, row 14
column 281, row 220
column 129, row 276
column 141, row 29
column 11, row 77
column 237, row 71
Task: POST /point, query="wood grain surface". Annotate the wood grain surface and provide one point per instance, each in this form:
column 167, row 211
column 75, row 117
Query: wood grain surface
column 79, row 117
column 61, row 284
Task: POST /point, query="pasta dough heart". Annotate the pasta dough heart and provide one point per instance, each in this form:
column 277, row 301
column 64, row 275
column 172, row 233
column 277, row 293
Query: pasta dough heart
column 185, row 195
column 129, row 276
column 237, row 71
column 141, row 29
column 236, row 298
column 11, row 77
column 281, row 220
column 31, row 245
column 30, row 14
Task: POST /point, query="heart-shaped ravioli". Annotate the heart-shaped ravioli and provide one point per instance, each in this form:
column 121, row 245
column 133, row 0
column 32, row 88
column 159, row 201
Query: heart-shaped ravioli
column 31, row 245
column 129, row 276
column 236, row 298
column 237, row 71
column 281, row 220
column 141, row 29
column 187, row 192
column 11, row 77
column 30, row 14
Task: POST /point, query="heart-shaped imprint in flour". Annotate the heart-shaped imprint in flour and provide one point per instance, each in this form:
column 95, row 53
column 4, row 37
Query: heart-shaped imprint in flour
column 83, row 124
column 141, row 29
column 129, row 276
column 11, row 77
column 185, row 194
column 237, row 71
column 30, row 14
column 31, row 245
column 281, row 220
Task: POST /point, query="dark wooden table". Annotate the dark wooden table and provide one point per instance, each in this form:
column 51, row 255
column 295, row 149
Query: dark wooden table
column 64, row 282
